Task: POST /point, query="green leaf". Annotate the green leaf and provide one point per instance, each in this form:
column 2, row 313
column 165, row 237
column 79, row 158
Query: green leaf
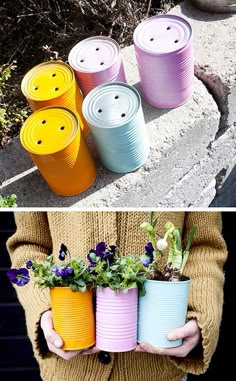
column 178, row 240
column 151, row 217
column 83, row 289
column 74, row 287
column 93, row 257
column 155, row 222
column 190, row 239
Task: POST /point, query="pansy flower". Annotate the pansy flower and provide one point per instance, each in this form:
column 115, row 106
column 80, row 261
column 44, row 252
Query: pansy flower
column 63, row 272
column 147, row 257
column 19, row 277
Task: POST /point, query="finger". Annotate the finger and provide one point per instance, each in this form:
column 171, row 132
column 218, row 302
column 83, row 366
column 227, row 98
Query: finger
column 145, row 347
column 66, row 355
column 51, row 336
column 189, row 329
column 139, row 349
column 90, row 351
column 179, row 351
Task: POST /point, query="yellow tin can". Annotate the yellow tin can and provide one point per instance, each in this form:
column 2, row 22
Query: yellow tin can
column 58, row 148
column 73, row 317
column 53, row 83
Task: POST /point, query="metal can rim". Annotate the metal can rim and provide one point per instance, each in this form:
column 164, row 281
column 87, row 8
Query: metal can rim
column 82, row 42
column 57, row 150
column 30, row 73
column 109, row 84
column 149, row 52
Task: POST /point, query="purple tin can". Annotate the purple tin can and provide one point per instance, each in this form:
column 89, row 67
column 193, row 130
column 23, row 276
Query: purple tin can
column 96, row 60
column 164, row 52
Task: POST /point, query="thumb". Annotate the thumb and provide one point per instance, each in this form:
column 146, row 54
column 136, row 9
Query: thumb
column 186, row 330
column 51, row 336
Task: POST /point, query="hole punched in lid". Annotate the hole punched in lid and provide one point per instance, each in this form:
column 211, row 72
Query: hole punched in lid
column 39, row 141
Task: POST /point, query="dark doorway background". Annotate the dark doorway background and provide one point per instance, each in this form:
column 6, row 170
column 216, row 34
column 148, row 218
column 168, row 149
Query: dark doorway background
column 17, row 361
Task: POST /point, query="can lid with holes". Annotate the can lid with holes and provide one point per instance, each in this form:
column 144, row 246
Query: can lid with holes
column 47, row 80
column 94, row 54
column 111, row 105
column 162, row 34
column 49, row 130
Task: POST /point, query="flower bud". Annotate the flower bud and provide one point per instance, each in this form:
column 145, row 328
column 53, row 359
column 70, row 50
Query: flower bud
column 162, row 244
column 147, row 226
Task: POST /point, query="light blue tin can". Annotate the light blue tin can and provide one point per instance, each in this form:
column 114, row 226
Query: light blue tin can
column 114, row 114
column 162, row 308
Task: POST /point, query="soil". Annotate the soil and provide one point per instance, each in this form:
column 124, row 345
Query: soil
column 36, row 31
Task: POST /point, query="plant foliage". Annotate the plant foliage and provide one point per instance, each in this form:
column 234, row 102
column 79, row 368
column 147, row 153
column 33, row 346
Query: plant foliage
column 108, row 269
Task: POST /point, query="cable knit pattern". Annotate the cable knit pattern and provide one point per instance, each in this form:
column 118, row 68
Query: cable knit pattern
column 40, row 233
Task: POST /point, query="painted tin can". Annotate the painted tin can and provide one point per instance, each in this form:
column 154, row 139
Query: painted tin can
column 115, row 117
column 58, row 148
column 164, row 307
column 96, row 60
column 116, row 320
column 164, row 52
column 53, row 83
column 73, row 317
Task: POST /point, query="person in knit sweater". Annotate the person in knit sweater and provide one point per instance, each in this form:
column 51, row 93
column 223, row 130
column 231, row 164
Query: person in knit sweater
column 39, row 234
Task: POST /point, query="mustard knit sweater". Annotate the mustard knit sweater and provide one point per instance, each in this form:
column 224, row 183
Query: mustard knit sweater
column 41, row 233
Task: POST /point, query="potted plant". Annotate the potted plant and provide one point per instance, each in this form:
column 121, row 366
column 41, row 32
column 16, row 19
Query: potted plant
column 164, row 305
column 117, row 279
column 69, row 282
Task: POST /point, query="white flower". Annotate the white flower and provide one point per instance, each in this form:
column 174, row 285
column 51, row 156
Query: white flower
column 162, row 244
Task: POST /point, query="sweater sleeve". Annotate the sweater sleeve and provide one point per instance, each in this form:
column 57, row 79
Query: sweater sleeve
column 207, row 256
column 31, row 240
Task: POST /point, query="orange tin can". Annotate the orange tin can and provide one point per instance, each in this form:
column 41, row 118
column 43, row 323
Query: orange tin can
column 53, row 83
column 73, row 317
column 58, row 148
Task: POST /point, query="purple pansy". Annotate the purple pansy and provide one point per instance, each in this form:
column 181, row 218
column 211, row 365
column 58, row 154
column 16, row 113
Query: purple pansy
column 112, row 249
column 149, row 249
column 146, row 260
column 62, row 255
column 62, row 252
column 92, row 262
column 29, row 264
column 64, row 248
column 108, row 256
column 147, row 257
column 19, row 277
column 101, row 252
column 63, row 272
column 100, row 248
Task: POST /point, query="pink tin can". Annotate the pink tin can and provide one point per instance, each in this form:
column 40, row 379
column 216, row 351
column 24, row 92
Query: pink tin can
column 164, row 52
column 96, row 60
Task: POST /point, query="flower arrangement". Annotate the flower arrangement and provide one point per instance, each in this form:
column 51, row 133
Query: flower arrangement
column 177, row 256
column 109, row 269
column 69, row 272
